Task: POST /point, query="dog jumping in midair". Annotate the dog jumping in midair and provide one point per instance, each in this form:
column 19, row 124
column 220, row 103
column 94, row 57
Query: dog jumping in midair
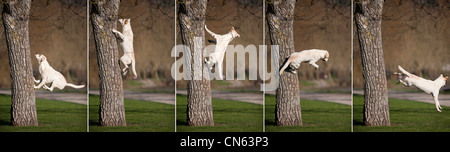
column 126, row 43
column 428, row 86
column 292, row 63
column 222, row 42
column 50, row 75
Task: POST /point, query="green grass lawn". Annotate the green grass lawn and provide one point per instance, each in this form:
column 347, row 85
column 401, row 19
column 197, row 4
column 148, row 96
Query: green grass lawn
column 141, row 116
column 229, row 116
column 405, row 116
column 53, row 116
column 317, row 116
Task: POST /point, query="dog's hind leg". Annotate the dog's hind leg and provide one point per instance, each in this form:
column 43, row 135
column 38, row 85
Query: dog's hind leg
column 45, row 87
column 52, row 86
column 125, row 61
column 40, row 84
column 125, row 69
column 403, row 82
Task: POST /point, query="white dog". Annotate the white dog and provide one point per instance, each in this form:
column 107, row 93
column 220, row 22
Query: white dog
column 50, row 75
column 126, row 43
column 428, row 86
column 222, row 42
column 311, row 56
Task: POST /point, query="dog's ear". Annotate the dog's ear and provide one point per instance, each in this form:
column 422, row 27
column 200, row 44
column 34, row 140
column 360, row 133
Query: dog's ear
column 43, row 58
column 126, row 21
column 232, row 28
column 445, row 78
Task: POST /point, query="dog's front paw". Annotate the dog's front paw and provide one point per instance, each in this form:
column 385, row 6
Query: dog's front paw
column 35, row 87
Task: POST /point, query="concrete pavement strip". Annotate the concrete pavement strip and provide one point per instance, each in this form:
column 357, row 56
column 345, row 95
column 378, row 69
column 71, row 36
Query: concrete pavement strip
column 342, row 98
column 167, row 98
column 444, row 99
column 257, row 98
column 79, row 98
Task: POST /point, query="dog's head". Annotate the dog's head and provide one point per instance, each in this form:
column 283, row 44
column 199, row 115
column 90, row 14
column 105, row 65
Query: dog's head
column 125, row 22
column 445, row 79
column 442, row 80
column 210, row 61
column 326, row 56
column 234, row 33
column 40, row 57
column 398, row 75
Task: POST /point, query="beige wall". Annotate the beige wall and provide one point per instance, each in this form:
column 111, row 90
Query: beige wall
column 416, row 35
column 152, row 23
column 57, row 29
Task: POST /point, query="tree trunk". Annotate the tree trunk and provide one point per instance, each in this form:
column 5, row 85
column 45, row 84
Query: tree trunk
column 280, row 18
column 368, row 15
column 191, row 17
column 104, row 16
column 23, row 104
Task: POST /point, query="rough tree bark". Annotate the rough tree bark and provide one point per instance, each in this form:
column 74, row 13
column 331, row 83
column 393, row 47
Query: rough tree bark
column 368, row 15
column 191, row 17
column 280, row 18
column 15, row 21
column 104, row 16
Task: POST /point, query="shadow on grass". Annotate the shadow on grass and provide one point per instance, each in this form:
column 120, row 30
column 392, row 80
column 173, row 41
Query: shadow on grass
column 358, row 123
column 94, row 123
column 181, row 123
column 270, row 123
column 4, row 123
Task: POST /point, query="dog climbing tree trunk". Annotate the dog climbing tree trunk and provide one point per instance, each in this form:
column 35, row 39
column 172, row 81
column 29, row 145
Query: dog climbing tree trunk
column 368, row 14
column 191, row 17
column 280, row 18
column 104, row 17
column 15, row 20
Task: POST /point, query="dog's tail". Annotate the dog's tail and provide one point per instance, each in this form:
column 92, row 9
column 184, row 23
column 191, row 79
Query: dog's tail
column 75, row 86
column 404, row 71
column 212, row 33
column 133, row 67
column 285, row 65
